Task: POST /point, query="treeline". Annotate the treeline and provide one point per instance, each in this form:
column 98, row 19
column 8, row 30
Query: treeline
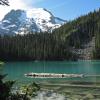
column 38, row 46
column 96, row 52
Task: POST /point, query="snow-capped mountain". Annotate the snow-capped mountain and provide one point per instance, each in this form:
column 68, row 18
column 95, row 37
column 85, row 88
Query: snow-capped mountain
column 32, row 20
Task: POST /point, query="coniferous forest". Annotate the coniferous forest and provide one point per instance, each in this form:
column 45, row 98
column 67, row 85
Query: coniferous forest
column 61, row 44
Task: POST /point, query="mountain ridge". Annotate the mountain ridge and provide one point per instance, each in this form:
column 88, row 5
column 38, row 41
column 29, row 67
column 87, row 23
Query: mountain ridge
column 33, row 20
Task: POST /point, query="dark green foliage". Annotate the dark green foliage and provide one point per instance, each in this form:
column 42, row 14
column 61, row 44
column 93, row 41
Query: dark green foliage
column 80, row 31
column 96, row 52
column 6, row 94
column 38, row 46
column 5, row 88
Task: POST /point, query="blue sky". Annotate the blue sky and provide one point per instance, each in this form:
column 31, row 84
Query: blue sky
column 69, row 9
column 65, row 9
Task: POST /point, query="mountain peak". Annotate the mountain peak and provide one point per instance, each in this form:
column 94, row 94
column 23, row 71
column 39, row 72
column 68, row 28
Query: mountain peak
column 34, row 20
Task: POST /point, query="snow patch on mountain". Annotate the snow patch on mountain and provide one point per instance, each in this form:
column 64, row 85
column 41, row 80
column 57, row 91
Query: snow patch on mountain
column 6, row 21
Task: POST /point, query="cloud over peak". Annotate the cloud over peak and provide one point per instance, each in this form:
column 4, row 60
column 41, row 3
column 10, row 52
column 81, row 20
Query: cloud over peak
column 18, row 4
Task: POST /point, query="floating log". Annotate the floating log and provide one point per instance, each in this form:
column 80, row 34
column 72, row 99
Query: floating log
column 52, row 75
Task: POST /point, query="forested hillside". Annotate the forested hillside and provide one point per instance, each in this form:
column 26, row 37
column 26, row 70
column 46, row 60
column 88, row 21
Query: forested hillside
column 38, row 46
column 77, row 39
column 77, row 34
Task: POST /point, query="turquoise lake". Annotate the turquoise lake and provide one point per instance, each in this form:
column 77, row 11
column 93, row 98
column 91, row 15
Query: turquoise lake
column 16, row 70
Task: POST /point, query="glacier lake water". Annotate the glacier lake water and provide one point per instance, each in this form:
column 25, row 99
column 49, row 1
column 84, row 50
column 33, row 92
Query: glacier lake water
column 16, row 70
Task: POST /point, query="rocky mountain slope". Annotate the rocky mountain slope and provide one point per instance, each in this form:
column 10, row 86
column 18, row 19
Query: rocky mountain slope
column 32, row 20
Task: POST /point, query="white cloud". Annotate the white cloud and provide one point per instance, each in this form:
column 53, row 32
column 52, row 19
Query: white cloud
column 17, row 4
